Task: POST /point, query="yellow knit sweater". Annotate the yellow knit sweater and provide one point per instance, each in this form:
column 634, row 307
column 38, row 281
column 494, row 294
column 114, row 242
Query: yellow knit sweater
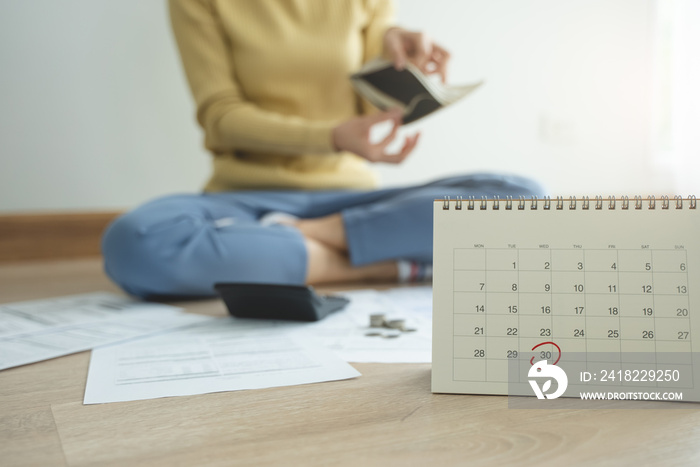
column 271, row 79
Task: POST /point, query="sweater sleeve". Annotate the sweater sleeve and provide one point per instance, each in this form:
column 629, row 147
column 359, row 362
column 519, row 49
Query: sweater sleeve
column 231, row 122
column 381, row 17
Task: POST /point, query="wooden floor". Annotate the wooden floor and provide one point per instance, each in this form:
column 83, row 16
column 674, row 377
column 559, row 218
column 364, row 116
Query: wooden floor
column 386, row 417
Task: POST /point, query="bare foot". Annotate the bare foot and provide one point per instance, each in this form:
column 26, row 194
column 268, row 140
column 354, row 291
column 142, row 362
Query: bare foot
column 326, row 264
column 328, row 230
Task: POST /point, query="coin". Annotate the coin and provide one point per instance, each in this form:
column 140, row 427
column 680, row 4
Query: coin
column 399, row 324
column 377, row 320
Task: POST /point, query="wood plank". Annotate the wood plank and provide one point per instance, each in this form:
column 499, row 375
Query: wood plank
column 29, row 438
column 388, row 416
column 28, row 434
column 33, row 280
column 52, row 236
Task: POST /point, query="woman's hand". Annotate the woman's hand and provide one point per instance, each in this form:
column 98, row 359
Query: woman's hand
column 401, row 46
column 354, row 136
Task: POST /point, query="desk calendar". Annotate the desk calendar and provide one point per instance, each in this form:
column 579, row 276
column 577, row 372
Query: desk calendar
column 608, row 286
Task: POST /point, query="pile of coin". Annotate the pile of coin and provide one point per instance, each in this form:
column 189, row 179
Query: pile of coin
column 378, row 320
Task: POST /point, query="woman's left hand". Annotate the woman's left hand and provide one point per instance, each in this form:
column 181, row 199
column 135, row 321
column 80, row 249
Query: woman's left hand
column 401, row 46
column 354, row 136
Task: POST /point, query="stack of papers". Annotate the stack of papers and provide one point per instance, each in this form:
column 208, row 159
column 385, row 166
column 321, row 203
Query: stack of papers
column 134, row 358
column 43, row 329
column 216, row 356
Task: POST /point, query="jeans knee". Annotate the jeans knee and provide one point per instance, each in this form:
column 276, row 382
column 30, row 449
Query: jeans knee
column 171, row 247
column 120, row 251
column 139, row 255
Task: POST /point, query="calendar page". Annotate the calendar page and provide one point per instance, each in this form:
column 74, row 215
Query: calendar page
column 601, row 291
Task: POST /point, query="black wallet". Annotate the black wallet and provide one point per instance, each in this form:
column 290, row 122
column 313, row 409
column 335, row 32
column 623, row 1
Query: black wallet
column 275, row 301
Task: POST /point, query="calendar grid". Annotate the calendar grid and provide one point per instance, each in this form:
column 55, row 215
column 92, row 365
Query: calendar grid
column 551, row 318
column 518, row 305
column 454, row 311
column 692, row 363
column 585, row 307
column 500, row 294
column 486, row 324
column 654, row 310
column 619, row 321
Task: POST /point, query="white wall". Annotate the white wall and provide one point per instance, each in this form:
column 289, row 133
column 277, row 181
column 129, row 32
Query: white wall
column 681, row 151
column 567, row 97
column 95, row 113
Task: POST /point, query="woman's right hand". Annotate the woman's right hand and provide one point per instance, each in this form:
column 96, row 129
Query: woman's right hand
column 354, row 136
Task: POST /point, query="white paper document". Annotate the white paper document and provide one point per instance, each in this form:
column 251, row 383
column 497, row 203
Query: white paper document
column 42, row 329
column 224, row 355
column 346, row 332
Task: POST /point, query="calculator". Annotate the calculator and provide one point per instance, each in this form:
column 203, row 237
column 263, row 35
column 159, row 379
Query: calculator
column 277, row 301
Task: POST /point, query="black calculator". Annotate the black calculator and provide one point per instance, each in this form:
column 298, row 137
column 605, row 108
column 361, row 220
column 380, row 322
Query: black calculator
column 276, row 301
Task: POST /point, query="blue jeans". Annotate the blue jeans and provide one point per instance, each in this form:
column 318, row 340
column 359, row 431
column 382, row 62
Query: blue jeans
column 181, row 245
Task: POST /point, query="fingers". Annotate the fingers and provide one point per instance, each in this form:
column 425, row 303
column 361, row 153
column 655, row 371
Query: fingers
column 394, row 48
column 409, row 145
column 422, row 50
column 390, row 137
column 440, row 57
column 392, row 114
column 401, row 46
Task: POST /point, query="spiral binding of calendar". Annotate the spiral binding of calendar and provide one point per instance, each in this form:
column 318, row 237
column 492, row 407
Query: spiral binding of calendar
column 560, row 203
